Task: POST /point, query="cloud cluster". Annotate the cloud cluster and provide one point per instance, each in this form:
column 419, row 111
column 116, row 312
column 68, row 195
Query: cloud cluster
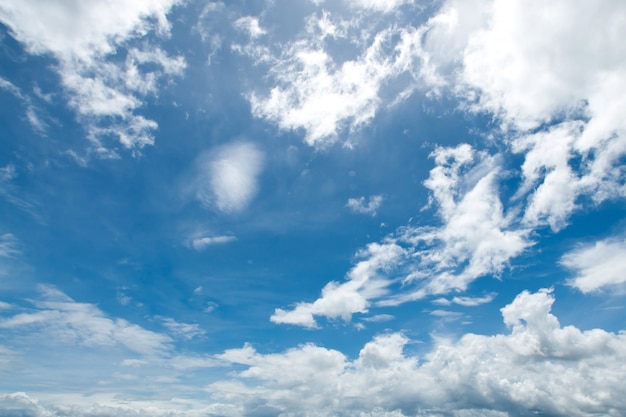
column 554, row 94
column 82, row 37
column 477, row 238
column 539, row 367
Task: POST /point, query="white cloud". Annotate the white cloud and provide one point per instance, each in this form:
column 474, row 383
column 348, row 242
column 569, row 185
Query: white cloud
column 559, row 64
column 183, row 330
column 379, row 318
column 597, row 266
column 62, row 320
column 358, row 205
column 313, row 91
column 8, row 246
column 539, row 367
column 32, row 114
column 81, row 36
column 477, row 237
column 250, row 25
column 384, row 6
column 228, row 178
column 466, row 301
column 352, row 296
column 201, row 243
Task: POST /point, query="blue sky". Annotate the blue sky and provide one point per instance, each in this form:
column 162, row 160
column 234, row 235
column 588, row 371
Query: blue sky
column 312, row 208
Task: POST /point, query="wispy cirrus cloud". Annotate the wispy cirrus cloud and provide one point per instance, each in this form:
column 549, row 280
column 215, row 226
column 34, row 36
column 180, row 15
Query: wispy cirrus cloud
column 63, row 320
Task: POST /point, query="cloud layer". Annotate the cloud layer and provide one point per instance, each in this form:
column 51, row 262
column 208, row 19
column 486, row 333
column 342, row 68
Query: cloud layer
column 537, row 367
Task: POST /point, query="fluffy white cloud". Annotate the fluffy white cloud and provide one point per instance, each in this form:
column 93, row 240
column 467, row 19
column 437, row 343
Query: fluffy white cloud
column 66, row 321
column 534, row 65
column 228, row 177
column 81, row 36
column 358, row 205
column 477, row 235
column 539, row 367
column 364, row 283
column 598, row 266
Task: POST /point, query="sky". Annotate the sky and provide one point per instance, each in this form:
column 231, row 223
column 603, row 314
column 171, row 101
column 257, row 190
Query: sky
column 359, row 208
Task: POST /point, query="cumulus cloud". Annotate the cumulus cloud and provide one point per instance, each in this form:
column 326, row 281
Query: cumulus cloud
column 555, row 89
column 358, row 205
column 82, row 36
column 538, row 367
column 228, row 177
column 597, row 266
column 341, row 300
column 59, row 318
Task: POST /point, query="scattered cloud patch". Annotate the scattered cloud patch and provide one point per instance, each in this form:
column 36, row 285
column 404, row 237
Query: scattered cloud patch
column 465, row 301
column 182, row 330
column 323, row 96
column 379, row 318
column 358, row 205
column 204, row 242
column 250, row 25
